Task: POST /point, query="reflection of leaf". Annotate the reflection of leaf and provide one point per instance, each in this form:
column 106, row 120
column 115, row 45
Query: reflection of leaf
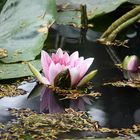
column 17, row 70
column 38, row 89
column 124, row 83
column 20, row 24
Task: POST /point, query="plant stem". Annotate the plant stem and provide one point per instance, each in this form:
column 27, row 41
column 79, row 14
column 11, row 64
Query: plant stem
column 113, row 34
column 121, row 20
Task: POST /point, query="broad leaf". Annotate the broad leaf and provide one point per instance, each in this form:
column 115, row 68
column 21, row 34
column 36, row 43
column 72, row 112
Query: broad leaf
column 17, row 70
column 69, row 10
column 24, row 26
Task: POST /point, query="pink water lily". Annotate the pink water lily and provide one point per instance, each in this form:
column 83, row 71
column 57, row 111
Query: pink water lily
column 131, row 63
column 60, row 61
column 131, row 66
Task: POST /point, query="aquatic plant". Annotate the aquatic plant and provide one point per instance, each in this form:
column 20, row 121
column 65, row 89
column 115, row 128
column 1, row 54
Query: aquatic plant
column 64, row 70
column 131, row 63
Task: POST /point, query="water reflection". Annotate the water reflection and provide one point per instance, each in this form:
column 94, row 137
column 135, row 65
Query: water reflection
column 54, row 103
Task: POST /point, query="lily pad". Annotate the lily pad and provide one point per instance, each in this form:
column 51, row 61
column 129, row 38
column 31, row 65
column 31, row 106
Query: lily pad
column 69, row 10
column 24, row 27
column 17, row 70
column 134, row 1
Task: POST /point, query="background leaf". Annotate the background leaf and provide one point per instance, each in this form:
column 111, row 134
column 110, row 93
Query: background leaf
column 17, row 70
column 69, row 9
column 23, row 28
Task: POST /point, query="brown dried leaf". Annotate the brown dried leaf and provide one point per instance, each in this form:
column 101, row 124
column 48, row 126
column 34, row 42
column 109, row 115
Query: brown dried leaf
column 3, row 53
column 124, row 83
column 73, row 93
column 10, row 90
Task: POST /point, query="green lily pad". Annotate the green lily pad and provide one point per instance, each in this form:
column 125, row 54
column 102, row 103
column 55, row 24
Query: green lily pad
column 134, row 1
column 69, row 10
column 24, row 27
column 17, row 70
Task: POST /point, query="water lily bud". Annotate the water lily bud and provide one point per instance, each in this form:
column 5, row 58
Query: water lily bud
column 131, row 63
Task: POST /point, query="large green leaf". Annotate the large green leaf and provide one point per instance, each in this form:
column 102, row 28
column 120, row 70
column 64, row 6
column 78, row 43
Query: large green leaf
column 134, row 1
column 69, row 9
column 17, row 70
column 23, row 28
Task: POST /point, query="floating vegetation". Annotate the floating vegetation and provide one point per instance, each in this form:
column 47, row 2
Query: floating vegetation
column 10, row 90
column 75, row 93
column 124, row 83
column 31, row 125
column 45, row 126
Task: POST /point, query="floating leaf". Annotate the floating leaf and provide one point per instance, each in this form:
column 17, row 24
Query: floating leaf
column 38, row 89
column 87, row 78
column 17, row 70
column 22, row 24
column 69, row 10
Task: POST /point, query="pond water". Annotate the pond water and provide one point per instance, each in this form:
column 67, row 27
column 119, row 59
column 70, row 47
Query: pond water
column 117, row 107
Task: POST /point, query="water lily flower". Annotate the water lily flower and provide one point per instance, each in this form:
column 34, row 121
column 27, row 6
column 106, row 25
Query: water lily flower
column 131, row 67
column 131, row 63
column 61, row 63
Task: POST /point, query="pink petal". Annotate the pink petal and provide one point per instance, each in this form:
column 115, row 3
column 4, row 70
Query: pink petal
column 59, row 53
column 45, row 62
column 79, row 61
column 133, row 63
column 54, row 71
column 66, row 58
column 45, row 80
column 83, row 68
column 74, row 73
column 74, row 56
column 55, row 59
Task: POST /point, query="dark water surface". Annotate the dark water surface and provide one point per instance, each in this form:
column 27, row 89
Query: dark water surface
column 117, row 107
